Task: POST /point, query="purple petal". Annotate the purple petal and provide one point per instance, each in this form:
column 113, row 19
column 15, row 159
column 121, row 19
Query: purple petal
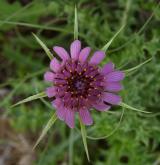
column 109, row 67
column 66, row 73
column 92, row 98
column 60, row 91
column 97, row 57
column 96, row 83
column 101, row 106
column 114, row 76
column 51, row 91
column 111, row 98
column 79, row 68
column 75, row 49
column 61, row 52
column 59, row 76
column 88, row 70
column 73, row 66
column 94, row 92
column 55, row 65
column 49, row 76
column 57, row 103
column 84, row 54
column 113, row 86
column 85, row 116
column 67, row 95
column 69, row 118
column 69, row 67
column 82, row 102
column 93, row 73
column 60, row 82
column 61, row 112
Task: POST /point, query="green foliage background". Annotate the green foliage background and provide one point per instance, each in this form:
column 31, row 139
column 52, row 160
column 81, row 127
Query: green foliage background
column 22, row 63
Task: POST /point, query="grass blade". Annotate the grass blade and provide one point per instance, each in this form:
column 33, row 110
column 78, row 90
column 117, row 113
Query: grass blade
column 46, row 128
column 111, row 133
column 75, row 24
column 137, row 33
column 18, row 12
column 71, row 143
column 132, row 108
column 36, row 26
column 105, row 47
column 31, row 98
column 49, row 54
column 84, row 137
column 138, row 66
column 126, row 12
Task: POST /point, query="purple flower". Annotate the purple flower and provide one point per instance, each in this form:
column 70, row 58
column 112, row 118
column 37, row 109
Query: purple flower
column 80, row 85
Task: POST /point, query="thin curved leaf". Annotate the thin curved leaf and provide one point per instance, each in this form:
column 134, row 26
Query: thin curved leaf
column 47, row 51
column 46, row 128
column 36, row 26
column 71, row 144
column 132, row 108
column 132, row 38
column 18, row 12
column 84, row 137
column 30, row 98
column 111, row 133
column 138, row 66
column 75, row 23
column 105, row 47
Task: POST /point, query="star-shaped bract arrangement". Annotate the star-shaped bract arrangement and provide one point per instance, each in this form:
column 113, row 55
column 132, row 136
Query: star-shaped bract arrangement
column 79, row 84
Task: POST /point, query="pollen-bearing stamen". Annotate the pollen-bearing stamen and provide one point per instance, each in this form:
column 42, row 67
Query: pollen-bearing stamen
column 79, row 84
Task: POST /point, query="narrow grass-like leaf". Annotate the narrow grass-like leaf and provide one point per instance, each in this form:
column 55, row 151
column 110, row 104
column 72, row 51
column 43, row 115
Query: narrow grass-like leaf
column 36, row 26
column 18, row 12
column 31, row 98
column 105, row 47
column 49, row 54
column 84, row 138
column 111, row 133
column 126, row 12
column 71, row 143
column 132, row 108
column 149, row 19
column 137, row 33
column 138, row 66
column 46, row 128
column 75, row 24
column 24, row 79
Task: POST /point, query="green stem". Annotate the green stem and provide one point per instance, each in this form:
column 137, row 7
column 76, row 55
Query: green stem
column 75, row 24
column 71, row 143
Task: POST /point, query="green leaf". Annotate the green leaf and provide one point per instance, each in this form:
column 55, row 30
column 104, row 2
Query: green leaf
column 111, row 133
column 149, row 19
column 46, row 128
column 105, row 47
column 71, row 144
column 138, row 66
column 84, row 136
column 36, row 26
column 75, row 23
column 126, row 12
column 49, row 54
column 17, row 12
column 139, row 31
column 30, row 98
column 132, row 108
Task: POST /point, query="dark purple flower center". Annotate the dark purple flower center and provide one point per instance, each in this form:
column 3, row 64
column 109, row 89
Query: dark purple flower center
column 79, row 85
column 79, row 82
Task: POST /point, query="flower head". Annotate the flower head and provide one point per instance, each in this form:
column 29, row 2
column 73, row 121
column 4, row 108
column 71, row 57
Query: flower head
column 80, row 85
